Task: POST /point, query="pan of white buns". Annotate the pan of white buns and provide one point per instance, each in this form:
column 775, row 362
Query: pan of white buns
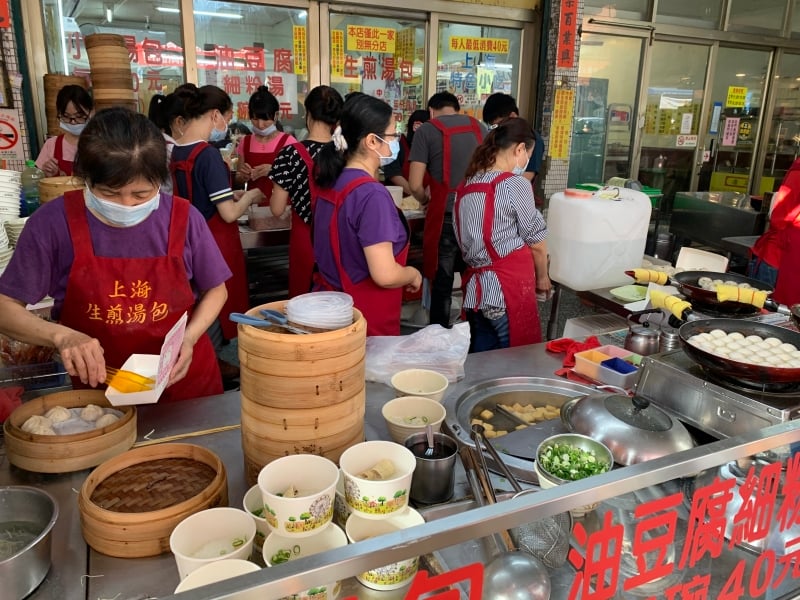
column 743, row 350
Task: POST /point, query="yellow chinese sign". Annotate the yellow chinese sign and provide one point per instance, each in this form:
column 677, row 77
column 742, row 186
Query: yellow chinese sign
column 737, row 95
column 406, row 44
column 300, row 49
column 561, row 130
column 363, row 38
column 478, row 44
column 337, row 52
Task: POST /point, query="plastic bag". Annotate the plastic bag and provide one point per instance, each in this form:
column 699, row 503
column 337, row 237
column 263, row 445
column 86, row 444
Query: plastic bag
column 434, row 347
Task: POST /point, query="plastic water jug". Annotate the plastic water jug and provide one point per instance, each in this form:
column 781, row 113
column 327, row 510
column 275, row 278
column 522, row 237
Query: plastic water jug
column 31, row 175
column 593, row 238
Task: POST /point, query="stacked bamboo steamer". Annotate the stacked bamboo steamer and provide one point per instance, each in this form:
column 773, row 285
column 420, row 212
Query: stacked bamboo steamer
column 112, row 82
column 301, row 394
column 52, row 85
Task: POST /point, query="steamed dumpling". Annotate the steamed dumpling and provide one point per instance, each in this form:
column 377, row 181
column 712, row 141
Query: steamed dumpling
column 91, row 412
column 57, row 414
column 39, row 425
column 106, row 420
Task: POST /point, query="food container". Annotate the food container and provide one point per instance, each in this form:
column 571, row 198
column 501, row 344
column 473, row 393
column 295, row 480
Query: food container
column 219, row 571
column 588, row 362
column 395, row 575
column 408, row 415
column 51, row 188
column 279, row 549
column 390, row 467
column 66, row 453
column 340, row 508
column 253, row 503
column 420, row 382
column 396, row 192
column 27, row 517
column 212, row 535
column 298, row 493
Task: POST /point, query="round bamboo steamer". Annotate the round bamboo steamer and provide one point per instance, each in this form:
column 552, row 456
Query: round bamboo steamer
column 129, row 104
column 146, row 532
column 51, row 188
column 52, row 85
column 67, row 453
column 109, row 53
column 107, row 94
column 103, row 39
column 261, row 365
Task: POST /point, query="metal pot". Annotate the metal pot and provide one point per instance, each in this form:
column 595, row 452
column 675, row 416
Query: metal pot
column 643, row 336
column 32, row 511
column 633, row 429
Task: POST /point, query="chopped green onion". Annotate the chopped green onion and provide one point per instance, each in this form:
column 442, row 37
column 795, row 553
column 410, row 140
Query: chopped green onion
column 570, row 463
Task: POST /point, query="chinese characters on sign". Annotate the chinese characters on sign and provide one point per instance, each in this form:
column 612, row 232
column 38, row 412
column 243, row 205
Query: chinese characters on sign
column 337, row 53
column 300, row 54
column 478, row 44
column 364, row 38
column 561, row 130
column 128, row 302
column 567, row 28
column 737, row 96
column 730, row 131
column 406, row 44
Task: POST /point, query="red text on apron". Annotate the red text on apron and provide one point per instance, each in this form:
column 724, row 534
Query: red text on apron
column 380, row 306
column 440, row 190
column 301, row 249
column 230, row 245
column 130, row 304
column 515, row 272
column 255, row 159
column 65, row 166
column 787, row 286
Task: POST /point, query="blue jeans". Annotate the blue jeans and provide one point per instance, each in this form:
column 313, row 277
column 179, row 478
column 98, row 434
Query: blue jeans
column 761, row 271
column 487, row 334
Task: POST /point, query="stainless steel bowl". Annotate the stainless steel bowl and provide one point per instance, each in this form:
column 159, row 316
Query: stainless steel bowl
column 576, row 440
column 33, row 511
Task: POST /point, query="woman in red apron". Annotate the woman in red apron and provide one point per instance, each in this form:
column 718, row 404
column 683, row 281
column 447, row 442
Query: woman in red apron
column 360, row 237
column 396, row 173
column 258, row 151
column 200, row 175
column 292, row 176
column 122, row 262
column 75, row 107
column 502, row 238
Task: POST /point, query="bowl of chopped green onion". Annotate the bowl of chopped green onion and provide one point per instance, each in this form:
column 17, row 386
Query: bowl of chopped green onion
column 569, row 457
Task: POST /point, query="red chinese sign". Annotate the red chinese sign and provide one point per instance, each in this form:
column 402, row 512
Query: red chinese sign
column 567, row 29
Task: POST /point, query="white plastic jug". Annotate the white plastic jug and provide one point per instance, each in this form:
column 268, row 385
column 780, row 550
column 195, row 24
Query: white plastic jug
column 593, row 238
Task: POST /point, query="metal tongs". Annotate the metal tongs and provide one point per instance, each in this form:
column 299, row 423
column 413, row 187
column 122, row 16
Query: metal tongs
column 271, row 318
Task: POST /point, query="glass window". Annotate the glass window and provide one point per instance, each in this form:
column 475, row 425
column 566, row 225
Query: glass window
column 691, row 13
column 637, row 10
column 475, row 61
column 152, row 35
column 243, row 46
column 796, row 19
column 764, row 16
column 381, row 57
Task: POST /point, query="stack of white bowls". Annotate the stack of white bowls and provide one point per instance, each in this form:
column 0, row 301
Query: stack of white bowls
column 13, row 228
column 10, row 188
column 321, row 310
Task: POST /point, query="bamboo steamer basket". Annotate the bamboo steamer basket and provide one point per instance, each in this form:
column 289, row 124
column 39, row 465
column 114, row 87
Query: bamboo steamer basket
column 51, row 188
column 67, row 453
column 130, row 504
column 52, row 85
column 103, row 39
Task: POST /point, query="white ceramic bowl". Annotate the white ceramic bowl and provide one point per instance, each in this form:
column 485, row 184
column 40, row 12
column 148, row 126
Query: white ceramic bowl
column 371, row 498
column 420, row 382
column 279, row 548
column 408, row 415
column 314, row 478
column 340, row 508
column 219, row 571
column 254, row 505
column 395, row 575
column 211, row 535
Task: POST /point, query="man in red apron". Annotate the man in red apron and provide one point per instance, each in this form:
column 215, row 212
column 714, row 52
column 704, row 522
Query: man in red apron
column 442, row 147
column 169, row 290
column 380, row 306
column 515, row 271
column 255, row 159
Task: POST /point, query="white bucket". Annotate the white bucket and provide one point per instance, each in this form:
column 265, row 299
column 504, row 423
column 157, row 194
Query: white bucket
column 593, row 239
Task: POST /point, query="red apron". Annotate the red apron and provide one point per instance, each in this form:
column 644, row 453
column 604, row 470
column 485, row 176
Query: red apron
column 301, row 248
column 787, row 286
column 440, row 190
column 255, row 159
column 380, row 306
column 768, row 247
column 130, row 304
column 65, row 166
column 230, row 245
column 515, row 272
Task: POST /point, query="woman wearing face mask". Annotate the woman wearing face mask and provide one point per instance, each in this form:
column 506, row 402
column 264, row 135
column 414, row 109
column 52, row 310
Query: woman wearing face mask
column 75, row 107
column 291, row 175
column 200, row 175
column 502, row 237
column 258, row 151
column 396, row 173
column 122, row 260
column 360, row 237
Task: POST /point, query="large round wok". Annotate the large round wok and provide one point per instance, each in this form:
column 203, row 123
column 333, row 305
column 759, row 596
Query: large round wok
column 687, row 284
column 735, row 369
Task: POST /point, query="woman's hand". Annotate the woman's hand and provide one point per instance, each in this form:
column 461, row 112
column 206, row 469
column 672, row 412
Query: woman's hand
column 416, row 282
column 259, row 171
column 82, row 357
column 183, row 363
column 254, row 196
column 51, row 169
column 245, row 171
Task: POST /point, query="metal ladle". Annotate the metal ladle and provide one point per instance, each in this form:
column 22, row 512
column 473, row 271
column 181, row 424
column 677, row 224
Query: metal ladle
column 511, row 575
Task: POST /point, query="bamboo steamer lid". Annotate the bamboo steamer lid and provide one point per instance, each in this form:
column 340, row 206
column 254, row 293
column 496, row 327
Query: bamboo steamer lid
column 130, row 504
column 103, row 39
column 51, row 188
column 67, row 453
column 52, row 85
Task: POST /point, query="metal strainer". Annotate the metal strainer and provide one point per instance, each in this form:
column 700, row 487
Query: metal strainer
column 547, row 539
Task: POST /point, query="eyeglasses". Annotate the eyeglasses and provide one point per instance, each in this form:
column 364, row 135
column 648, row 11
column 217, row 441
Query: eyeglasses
column 74, row 119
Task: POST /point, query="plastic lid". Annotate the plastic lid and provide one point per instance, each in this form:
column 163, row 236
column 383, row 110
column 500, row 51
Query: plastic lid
column 324, row 310
column 575, row 193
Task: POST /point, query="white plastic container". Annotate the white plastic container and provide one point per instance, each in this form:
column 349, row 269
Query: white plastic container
column 593, row 238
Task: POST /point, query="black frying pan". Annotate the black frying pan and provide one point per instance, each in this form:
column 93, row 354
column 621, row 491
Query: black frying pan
column 687, row 284
column 731, row 368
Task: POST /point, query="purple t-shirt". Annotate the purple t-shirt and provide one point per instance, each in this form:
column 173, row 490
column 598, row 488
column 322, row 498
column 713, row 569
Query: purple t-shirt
column 43, row 257
column 368, row 216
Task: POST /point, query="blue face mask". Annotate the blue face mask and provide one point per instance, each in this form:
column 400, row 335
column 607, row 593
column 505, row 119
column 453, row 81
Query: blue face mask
column 517, row 170
column 73, row 128
column 117, row 214
column 267, row 131
column 217, row 135
column 394, row 148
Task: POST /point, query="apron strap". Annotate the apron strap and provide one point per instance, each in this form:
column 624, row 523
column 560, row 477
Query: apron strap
column 186, row 166
column 75, row 207
column 179, row 223
column 304, row 154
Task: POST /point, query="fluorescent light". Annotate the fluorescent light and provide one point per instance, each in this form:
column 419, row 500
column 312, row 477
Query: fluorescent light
column 203, row 13
column 741, row 74
column 109, row 14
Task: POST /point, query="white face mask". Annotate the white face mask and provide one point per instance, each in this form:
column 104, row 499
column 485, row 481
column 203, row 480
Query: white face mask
column 118, row 214
column 73, row 128
column 266, row 131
